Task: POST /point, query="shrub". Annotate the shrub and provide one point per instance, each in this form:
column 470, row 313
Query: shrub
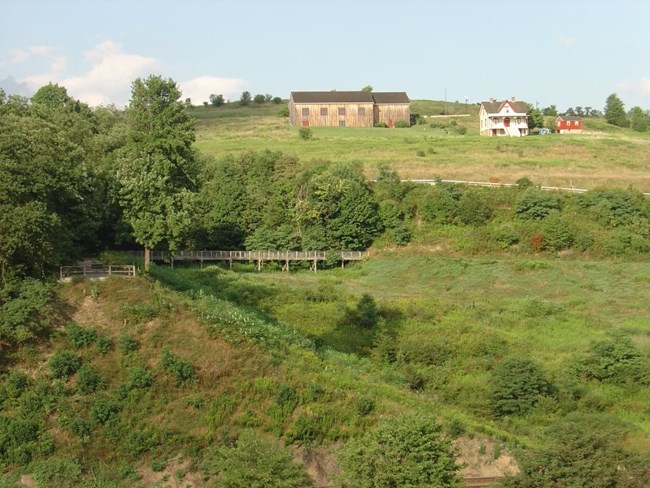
column 614, row 360
column 381, row 125
column 536, row 204
column 305, row 133
column 57, row 472
column 13, row 385
column 104, row 344
column 17, row 440
column 287, row 398
column 364, row 315
column 254, row 462
column 406, row 451
column 506, row 235
column 127, row 344
column 402, row 124
column 140, row 377
column 259, row 98
column 89, row 379
column 80, row 336
column 64, row 364
column 283, row 112
column 473, row 208
column 557, row 233
column 182, row 370
column 517, row 385
column 103, row 409
column 421, row 153
column 365, row 406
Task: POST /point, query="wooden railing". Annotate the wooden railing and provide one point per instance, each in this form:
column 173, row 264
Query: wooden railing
column 96, row 270
column 251, row 255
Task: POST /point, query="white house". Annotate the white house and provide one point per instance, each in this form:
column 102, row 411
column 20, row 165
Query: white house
column 507, row 118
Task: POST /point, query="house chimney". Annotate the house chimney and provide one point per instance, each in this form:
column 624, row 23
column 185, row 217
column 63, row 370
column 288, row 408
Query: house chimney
column 513, row 99
column 491, row 99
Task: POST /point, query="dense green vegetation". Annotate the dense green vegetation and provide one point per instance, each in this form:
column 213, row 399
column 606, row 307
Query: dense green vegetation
column 514, row 316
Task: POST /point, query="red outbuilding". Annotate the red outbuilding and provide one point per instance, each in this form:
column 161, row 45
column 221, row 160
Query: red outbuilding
column 568, row 124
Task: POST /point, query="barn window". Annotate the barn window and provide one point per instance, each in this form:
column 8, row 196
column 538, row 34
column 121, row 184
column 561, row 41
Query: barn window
column 323, row 110
column 341, row 110
column 305, row 111
column 342, row 122
column 362, row 111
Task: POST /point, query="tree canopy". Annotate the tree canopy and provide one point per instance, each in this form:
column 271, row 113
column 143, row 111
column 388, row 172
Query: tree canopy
column 158, row 170
column 615, row 111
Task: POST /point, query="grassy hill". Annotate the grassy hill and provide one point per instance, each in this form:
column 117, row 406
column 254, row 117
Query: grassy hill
column 603, row 156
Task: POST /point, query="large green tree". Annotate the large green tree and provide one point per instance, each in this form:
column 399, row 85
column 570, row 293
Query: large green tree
column 615, row 111
column 158, row 168
column 639, row 121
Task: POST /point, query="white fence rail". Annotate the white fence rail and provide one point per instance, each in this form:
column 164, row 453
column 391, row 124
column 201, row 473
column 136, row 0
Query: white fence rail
column 96, row 271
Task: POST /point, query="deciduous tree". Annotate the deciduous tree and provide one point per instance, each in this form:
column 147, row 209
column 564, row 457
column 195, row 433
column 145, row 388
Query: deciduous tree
column 615, row 111
column 158, row 169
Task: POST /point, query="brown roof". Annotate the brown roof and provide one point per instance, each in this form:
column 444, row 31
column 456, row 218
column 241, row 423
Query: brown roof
column 332, row 97
column 349, row 97
column 570, row 117
column 495, row 107
column 391, row 97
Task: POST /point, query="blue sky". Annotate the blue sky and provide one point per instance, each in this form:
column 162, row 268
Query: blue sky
column 567, row 53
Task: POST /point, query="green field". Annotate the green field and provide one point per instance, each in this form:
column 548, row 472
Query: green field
column 603, row 156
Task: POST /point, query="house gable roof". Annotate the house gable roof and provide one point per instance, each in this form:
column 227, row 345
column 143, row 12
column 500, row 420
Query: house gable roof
column 572, row 118
column 349, row 97
column 496, row 107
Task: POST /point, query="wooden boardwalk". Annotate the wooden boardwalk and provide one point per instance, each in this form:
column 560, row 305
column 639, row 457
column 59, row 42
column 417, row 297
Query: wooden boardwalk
column 258, row 257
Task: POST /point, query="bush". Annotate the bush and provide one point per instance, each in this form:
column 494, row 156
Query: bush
column 127, row 344
column 406, row 451
column 402, row 124
column 104, row 344
column 517, row 385
column 89, row 379
column 24, row 310
column 364, row 315
column 259, row 98
column 536, row 204
column 364, row 406
column 381, row 125
column 305, row 133
column 614, row 360
column 57, row 472
column 140, row 377
column 473, row 208
column 254, row 462
column 182, row 370
column 64, row 364
column 103, row 409
column 80, row 336
column 17, row 440
column 557, row 233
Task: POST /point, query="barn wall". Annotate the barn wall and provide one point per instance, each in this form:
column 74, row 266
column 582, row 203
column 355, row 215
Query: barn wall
column 332, row 119
column 385, row 112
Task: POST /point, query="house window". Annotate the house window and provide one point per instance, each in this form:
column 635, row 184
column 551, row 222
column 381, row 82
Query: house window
column 362, row 111
column 341, row 123
column 323, row 111
column 341, row 110
column 305, row 111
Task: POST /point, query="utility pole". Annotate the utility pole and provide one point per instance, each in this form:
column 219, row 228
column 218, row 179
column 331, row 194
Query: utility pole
column 445, row 101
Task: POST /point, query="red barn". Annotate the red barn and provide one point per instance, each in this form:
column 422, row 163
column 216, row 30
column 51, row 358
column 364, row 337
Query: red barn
column 568, row 124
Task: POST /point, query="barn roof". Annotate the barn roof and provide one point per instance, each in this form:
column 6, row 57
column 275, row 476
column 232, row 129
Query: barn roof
column 572, row 118
column 391, row 97
column 349, row 97
column 495, row 107
column 332, row 97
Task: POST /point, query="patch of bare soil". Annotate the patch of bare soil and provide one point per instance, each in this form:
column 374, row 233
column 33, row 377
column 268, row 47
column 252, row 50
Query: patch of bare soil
column 320, row 465
column 176, row 474
column 483, row 458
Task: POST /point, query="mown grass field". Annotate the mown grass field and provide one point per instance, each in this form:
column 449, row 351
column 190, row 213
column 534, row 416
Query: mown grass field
column 603, row 156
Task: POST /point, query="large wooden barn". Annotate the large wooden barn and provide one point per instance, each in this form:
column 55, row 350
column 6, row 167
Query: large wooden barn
column 348, row 108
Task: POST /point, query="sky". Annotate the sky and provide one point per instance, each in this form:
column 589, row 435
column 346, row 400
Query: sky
column 549, row 52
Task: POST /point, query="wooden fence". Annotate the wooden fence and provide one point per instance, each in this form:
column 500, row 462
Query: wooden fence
column 96, row 271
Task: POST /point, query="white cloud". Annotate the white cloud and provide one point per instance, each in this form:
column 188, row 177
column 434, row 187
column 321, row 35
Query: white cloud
column 566, row 41
column 639, row 91
column 108, row 79
column 110, row 76
column 199, row 89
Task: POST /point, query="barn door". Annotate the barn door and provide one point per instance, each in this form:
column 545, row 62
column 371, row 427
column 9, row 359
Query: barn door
column 305, row 123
